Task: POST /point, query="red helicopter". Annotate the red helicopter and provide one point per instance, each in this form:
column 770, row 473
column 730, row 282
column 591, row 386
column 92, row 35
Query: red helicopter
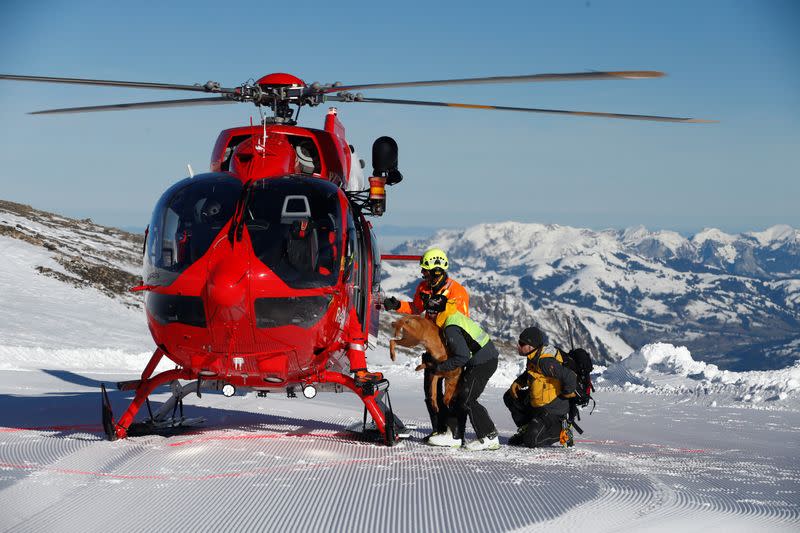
column 264, row 273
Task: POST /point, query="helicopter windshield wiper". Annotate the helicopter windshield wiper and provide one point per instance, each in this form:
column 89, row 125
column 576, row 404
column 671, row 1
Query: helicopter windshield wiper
column 237, row 221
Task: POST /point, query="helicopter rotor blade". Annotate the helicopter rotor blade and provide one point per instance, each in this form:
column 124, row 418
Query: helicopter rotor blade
column 208, row 87
column 523, row 109
column 567, row 76
column 138, row 105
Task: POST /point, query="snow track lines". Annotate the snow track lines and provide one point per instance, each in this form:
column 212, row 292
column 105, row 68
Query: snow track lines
column 282, row 464
column 261, row 478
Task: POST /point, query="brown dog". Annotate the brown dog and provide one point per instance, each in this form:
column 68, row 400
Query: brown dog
column 412, row 330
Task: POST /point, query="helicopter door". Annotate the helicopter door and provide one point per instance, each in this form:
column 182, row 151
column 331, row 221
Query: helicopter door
column 355, row 266
column 375, row 287
column 362, row 274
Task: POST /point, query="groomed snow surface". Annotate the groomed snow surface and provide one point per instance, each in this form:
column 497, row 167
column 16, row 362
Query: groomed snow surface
column 674, row 458
column 673, row 444
column 645, row 462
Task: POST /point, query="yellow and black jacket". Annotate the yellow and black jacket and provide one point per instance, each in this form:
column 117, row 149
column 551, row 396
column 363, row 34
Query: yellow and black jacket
column 548, row 380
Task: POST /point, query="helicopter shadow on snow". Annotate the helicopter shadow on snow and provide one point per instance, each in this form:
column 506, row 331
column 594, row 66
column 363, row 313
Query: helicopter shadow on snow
column 74, row 414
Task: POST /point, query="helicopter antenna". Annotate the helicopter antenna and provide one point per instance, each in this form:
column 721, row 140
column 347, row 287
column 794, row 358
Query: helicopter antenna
column 263, row 126
column 191, row 172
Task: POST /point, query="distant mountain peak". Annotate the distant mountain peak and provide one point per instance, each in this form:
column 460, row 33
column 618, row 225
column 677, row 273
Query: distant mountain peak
column 731, row 299
column 780, row 233
column 713, row 234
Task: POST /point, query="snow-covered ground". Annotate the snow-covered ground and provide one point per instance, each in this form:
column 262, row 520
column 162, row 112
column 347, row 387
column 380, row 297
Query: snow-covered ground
column 673, row 443
column 645, row 462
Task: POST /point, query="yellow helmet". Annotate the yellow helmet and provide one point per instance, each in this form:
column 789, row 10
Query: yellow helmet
column 434, row 258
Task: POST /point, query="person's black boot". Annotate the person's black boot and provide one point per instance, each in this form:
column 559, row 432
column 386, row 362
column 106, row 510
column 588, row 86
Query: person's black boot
column 436, row 425
column 518, row 438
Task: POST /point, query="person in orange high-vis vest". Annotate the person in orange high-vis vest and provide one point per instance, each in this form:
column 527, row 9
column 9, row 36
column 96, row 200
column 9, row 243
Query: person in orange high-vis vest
column 434, row 265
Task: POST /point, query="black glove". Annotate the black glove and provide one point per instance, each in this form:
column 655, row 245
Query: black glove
column 581, row 399
column 391, row 303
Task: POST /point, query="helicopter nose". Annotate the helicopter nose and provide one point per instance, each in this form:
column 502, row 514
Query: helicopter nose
column 227, row 289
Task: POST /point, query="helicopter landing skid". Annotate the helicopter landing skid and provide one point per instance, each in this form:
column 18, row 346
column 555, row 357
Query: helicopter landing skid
column 395, row 429
column 164, row 421
column 169, row 426
column 158, row 424
column 163, row 418
column 372, row 394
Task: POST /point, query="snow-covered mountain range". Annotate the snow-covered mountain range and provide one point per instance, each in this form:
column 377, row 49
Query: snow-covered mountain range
column 733, row 300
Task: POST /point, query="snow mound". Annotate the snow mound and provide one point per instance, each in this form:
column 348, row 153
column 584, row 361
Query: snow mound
column 664, row 368
column 665, row 358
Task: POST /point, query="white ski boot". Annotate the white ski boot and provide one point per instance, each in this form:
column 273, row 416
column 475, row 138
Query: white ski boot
column 445, row 439
column 489, row 442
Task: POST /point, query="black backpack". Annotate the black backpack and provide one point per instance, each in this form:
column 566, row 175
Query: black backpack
column 580, row 362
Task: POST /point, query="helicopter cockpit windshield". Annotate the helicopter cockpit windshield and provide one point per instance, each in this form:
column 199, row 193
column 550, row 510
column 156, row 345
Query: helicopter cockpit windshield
column 295, row 227
column 187, row 218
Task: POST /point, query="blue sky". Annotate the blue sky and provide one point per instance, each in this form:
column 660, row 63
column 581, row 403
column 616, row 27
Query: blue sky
column 736, row 62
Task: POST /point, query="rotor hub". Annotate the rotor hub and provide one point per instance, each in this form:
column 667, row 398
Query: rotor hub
column 280, row 79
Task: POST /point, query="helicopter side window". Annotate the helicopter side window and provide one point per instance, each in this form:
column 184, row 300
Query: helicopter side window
column 376, row 263
column 352, row 247
column 359, row 272
column 306, row 155
column 374, row 324
column 185, row 222
column 225, row 164
column 170, row 244
column 294, row 226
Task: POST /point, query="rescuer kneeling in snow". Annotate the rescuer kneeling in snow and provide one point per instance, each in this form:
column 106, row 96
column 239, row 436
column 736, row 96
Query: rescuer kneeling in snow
column 434, row 265
column 539, row 398
column 468, row 346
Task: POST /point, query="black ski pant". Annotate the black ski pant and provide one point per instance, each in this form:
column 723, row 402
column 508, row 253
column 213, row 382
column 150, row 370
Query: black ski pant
column 465, row 405
column 544, row 427
column 520, row 407
column 438, row 419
